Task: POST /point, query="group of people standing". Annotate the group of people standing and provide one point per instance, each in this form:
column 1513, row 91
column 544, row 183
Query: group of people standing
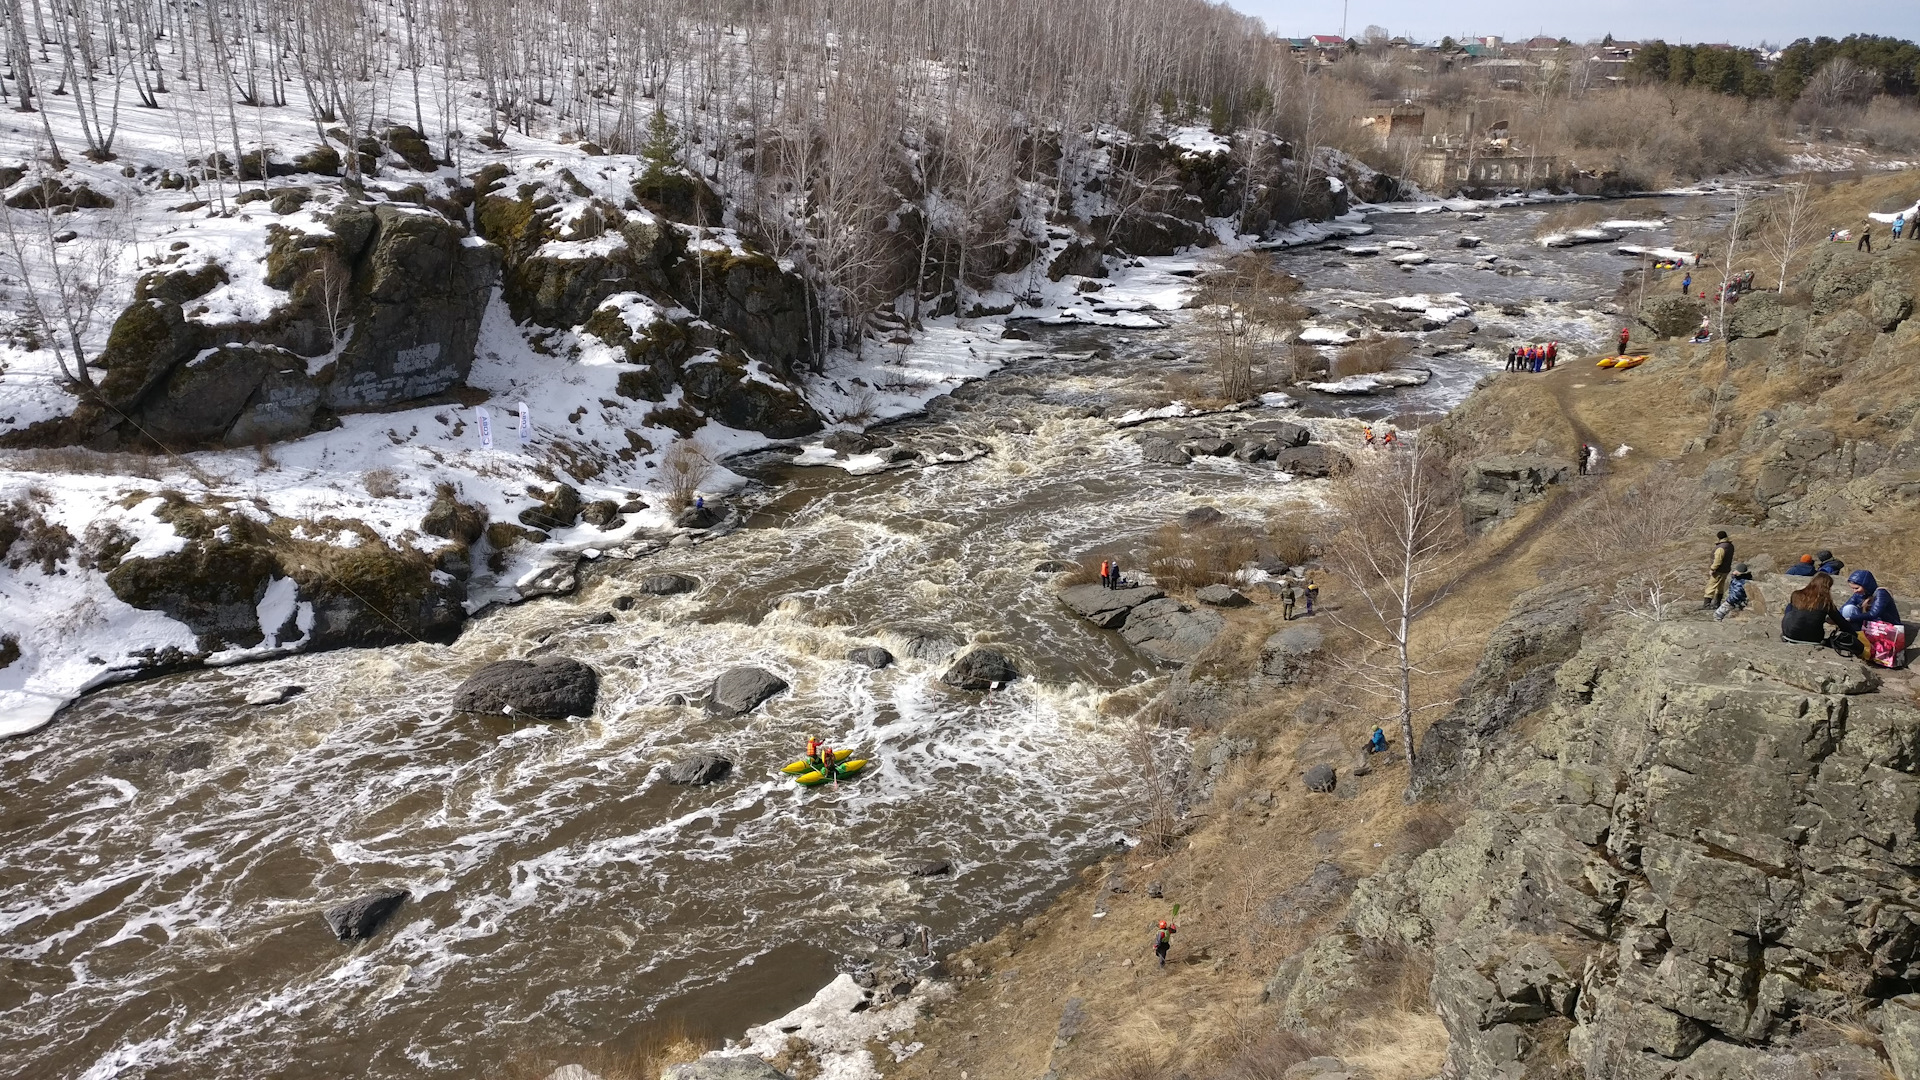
column 1533, row 357
column 1865, row 242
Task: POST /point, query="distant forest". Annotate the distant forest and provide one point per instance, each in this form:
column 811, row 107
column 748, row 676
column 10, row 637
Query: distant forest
column 1851, row 70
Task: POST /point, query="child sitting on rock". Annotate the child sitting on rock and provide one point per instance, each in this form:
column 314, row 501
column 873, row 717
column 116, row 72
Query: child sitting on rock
column 1736, row 592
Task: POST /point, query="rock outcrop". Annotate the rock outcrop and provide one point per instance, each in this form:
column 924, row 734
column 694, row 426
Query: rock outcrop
column 1106, row 608
column 1497, row 485
column 1170, row 631
column 1704, row 847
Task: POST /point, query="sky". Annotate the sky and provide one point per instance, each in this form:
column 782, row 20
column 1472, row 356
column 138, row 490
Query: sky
column 1738, row 22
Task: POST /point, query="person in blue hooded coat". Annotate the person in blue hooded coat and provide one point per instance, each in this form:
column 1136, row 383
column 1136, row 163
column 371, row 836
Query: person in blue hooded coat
column 1869, row 602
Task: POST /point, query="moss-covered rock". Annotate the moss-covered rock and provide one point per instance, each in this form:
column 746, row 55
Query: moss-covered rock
column 678, row 196
column 214, row 585
column 149, row 339
column 455, row 520
column 202, row 399
column 725, row 390
column 558, row 509
column 411, row 147
column 748, row 295
column 180, row 286
column 322, row 160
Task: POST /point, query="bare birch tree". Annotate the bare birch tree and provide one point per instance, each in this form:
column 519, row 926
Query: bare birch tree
column 1790, row 228
column 1394, row 537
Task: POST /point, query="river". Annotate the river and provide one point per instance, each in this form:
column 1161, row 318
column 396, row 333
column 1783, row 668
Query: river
column 167, row 847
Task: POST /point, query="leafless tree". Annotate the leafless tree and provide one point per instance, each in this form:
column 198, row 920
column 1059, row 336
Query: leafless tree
column 1394, row 535
column 330, row 284
column 1790, row 228
column 684, row 467
column 64, row 283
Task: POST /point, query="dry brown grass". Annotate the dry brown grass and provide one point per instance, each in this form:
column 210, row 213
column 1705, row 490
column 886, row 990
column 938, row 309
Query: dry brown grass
column 1370, row 354
column 1182, row 559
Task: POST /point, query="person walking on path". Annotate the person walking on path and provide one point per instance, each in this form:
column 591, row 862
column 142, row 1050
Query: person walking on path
column 1287, row 597
column 1584, row 451
column 1686, row 283
column 1718, row 570
column 1865, row 243
column 1899, row 226
column 1313, row 593
column 1163, row 940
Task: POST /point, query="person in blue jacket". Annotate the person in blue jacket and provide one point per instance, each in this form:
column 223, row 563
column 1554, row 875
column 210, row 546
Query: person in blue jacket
column 1821, row 562
column 1869, row 602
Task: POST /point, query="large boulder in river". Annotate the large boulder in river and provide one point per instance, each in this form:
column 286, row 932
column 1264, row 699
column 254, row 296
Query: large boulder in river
column 872, row 656
column 739, row 690
column 699, row 770
column 550, row 688
column 357, row 920
column 1313, row 460
column 1106, row 608
column 980, row 669
column 666, row 584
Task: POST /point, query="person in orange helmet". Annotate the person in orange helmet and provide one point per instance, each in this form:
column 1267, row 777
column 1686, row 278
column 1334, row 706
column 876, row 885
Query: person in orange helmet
column 1163, row 940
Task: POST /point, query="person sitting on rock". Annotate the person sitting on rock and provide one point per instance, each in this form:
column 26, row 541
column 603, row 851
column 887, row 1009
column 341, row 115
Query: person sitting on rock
column 1827, row 563
column 1809, row 610
column 1869, row 603
column 1806, row 567
column 1736, row 592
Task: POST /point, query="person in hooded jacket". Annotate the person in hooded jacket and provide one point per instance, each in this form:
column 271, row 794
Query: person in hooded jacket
column 1869, row 602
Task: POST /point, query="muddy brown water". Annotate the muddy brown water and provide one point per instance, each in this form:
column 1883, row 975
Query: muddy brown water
column 165, row 849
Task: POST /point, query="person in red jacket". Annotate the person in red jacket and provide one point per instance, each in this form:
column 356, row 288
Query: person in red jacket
column 1163, row 940
column 1623, row 341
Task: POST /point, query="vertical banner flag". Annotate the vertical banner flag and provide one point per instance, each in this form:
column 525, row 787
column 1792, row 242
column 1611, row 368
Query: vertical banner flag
column 485, row 416
column 526, row 424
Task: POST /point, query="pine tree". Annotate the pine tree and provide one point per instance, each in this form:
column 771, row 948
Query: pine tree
column 660, row 151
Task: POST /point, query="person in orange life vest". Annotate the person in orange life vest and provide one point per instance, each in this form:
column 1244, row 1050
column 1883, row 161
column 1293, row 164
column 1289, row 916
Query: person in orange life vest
column 1106, row 573
column 813, row 751
column 1369, row 434
column 1387, row 439
column 1163, row 940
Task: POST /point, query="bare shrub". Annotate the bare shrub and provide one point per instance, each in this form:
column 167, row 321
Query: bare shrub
column 684, row 467
column 26, row 537
column 1184, row 559
column 1266, row 1055
column 1370, row 354
column 75, row 460
column 1304, row 362
column 382, row 483
column 1291, row 540
column 1635, row 521
column 1578, row 215
column 1150, row 751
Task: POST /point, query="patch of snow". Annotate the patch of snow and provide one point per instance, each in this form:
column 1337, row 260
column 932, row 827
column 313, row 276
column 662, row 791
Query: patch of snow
column 1361, row 385
column 1910, row 213
column 1325, row 335
column 1200, row 141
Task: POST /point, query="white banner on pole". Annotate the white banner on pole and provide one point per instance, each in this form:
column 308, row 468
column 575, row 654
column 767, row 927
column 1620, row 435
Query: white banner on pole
column 526, row 424
column 485, row 417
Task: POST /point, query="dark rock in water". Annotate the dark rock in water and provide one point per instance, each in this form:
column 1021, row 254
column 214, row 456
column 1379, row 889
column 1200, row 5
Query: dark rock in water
column 895, row 940
column 1221, row 596
column 550, row 688
column 1201, row 516
column 1053, row 566
column 1285, row 432
column 739, row 690
column 189, row 756
column 667, row 584
column 925, row 646
column 697, row 517
column 698, row 770
column 873, row 656
column 601, row 619
column 933, row 868
column 849, row 443
column 274, row 695
column 1014, row 333
column 1163, row 452
column 1319, row 778
column 357, row 920
column 742, row 1067
column 1291, row 654
column 900, row 988
column 1313, row 460
column 1106, row 608
column 623, row 603
column 1208, row 447
column 980, row 669
column 1011, row 425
